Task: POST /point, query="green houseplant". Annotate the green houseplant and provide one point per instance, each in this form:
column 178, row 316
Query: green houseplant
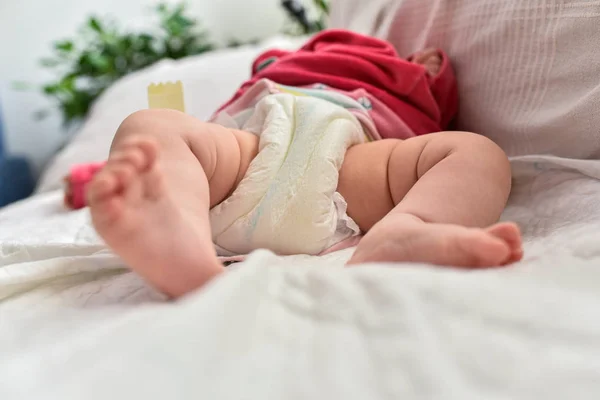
column 102, row 52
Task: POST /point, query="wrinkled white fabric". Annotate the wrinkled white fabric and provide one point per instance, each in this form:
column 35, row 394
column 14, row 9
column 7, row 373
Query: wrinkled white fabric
column 75, row 324
column 287, row 201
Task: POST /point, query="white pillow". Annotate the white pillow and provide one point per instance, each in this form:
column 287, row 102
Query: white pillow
column 528, row 71
column 209, row 80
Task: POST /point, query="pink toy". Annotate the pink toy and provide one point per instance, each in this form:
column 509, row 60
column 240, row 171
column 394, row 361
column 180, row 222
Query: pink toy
column 76, row 182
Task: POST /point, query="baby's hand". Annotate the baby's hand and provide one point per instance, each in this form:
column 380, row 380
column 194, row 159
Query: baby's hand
column 430, row 59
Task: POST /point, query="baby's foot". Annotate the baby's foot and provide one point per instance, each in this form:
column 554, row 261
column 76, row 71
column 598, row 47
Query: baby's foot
column 404, row 238
column 430, row 59
column 142, row 223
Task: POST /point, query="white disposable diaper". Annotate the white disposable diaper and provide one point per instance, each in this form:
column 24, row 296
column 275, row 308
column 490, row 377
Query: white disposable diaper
column 287, row 201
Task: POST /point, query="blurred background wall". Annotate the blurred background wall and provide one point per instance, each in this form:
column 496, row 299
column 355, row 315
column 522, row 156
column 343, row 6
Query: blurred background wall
column 28, row 28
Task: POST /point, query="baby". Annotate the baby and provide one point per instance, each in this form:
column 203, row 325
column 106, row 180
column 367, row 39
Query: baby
column 171, row 180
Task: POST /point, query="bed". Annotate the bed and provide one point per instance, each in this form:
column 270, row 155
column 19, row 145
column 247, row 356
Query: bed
column 76, row 324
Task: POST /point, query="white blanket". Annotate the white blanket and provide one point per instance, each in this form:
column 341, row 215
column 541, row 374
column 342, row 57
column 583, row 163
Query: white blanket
column 74, row 324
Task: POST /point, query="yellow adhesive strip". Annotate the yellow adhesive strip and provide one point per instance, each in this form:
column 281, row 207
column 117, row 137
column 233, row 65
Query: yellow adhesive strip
column 166, row 95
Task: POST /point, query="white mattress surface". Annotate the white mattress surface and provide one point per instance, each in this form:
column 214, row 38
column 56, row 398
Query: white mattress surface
column 75, row 324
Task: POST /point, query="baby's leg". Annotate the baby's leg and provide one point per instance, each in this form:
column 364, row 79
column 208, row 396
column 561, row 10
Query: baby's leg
column 150, row 202
column 431, row 199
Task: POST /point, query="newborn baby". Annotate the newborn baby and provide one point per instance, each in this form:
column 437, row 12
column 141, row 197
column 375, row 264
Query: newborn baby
column 175, row 187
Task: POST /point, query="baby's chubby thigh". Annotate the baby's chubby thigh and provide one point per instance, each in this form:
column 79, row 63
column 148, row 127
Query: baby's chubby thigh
column 365, row 178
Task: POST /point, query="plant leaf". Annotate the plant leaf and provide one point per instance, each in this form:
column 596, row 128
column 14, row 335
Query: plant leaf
column 95, row 64
column 101, row 53
column 67, row 83
column 95, row 24
column 51, row 89
column 65, row 46
column 323, row 5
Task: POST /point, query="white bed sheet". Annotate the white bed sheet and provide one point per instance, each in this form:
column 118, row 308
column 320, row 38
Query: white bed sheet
column 74, row 324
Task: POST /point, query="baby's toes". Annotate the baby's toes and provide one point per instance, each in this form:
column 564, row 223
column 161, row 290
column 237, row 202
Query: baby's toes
column 511, row 234
column 124, row 173
column 478, row 249
column 132, row 156
column 142, row 150
column 102, row 186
